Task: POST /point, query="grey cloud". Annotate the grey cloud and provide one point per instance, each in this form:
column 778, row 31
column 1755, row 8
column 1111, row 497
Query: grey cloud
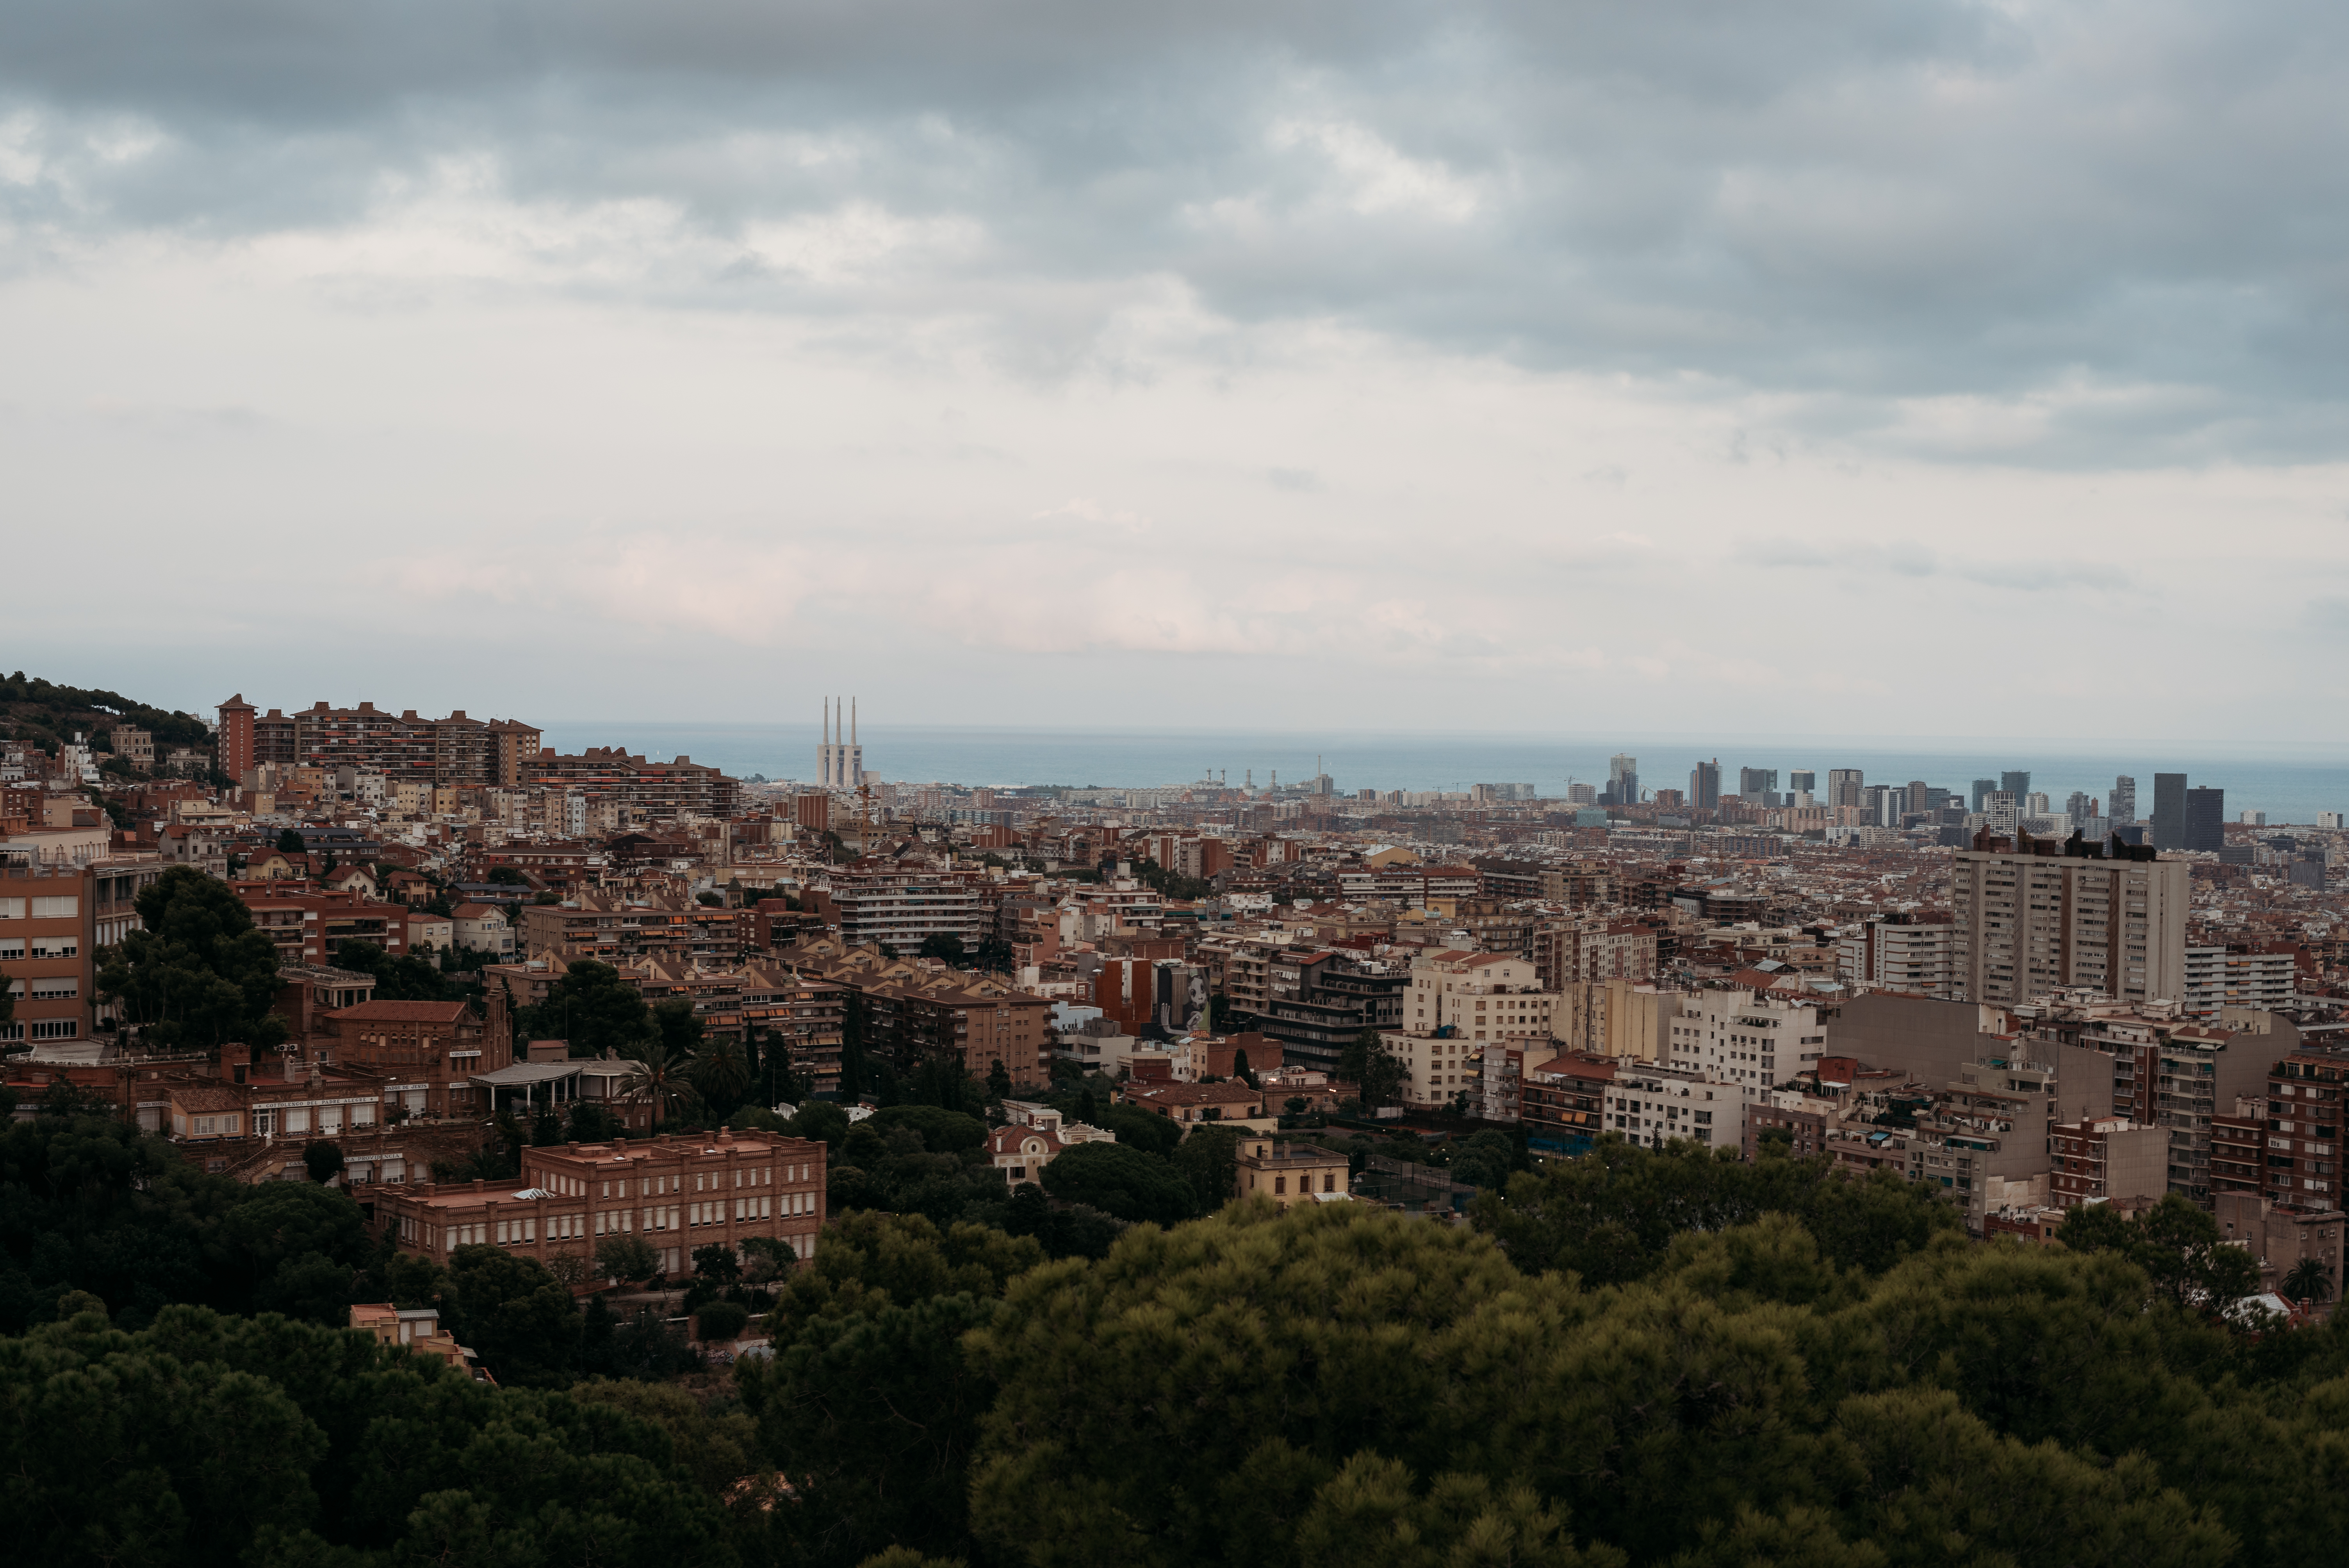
column 2018, row 571
column 2126, row 223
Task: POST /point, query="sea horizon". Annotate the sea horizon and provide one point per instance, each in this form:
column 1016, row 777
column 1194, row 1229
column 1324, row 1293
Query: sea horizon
column 2291, row 782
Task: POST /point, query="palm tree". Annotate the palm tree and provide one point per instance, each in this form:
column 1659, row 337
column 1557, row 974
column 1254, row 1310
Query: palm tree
column 720, row 1073
column 2311, row 1279
column 661, row 1072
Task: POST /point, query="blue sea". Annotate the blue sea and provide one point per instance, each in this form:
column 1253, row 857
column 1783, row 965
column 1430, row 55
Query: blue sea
column 2291, row 785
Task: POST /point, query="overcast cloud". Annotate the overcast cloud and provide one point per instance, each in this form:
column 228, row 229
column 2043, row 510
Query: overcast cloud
column 1556, row 365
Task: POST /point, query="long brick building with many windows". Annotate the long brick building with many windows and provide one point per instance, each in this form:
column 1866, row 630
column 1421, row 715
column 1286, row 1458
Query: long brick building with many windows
column 676, row 1192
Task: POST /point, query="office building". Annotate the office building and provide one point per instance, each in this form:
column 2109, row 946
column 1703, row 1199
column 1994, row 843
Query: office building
column 1844, row 786
column 2016, row 783
column 2170, row 810
column 2121, row 804
column 1758, row 786
column 2029, row 924
column 1802, row 781
column 2206, row 820
column 1704, row 785
column 1981, row 792
column 1622, row 782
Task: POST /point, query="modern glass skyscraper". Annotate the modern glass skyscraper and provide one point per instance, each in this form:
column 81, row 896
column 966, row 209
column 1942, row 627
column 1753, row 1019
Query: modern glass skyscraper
column 2206, row 820
column 1980, row 792
column 1623, row 780
column 2016, row 784
column 2170, row 810
column 2121, row 804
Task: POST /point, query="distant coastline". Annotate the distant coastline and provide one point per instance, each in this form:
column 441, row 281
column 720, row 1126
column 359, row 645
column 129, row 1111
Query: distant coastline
column 2290, row 788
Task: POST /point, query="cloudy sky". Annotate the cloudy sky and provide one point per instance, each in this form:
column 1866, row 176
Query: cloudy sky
column 1844, row 367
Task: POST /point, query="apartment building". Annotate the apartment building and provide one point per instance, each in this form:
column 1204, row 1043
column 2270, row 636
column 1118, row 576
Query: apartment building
column 1563, row 1103
column 636, row 788
column 1596, row 948
column 2241, row 975
column 2058, row 917
column 2101, row 1157
column 1914, row 952
column 1650, row 1105
column 1322, row 1001
column 2302, row 1160
column 1753, row 1038
column 1626, row 1018
column 309, row 926
column 676, row 1192
column 55, row 919
column 901, row 908
column 1480, row 995
column 1439, row 1068
column 615, row 928
column 1985, row 1139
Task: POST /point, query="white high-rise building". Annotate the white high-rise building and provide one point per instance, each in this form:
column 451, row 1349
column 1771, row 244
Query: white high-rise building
column 2030, row 924
column 840, row 760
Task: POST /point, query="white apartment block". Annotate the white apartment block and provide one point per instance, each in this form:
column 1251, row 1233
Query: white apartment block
column 1439, row 1069
column 2030, row 923
column 1753, row 1039
column 1886, row 956
column 1651, row 1106
column 1483, row 995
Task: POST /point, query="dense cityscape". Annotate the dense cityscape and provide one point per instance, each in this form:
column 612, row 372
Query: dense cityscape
column 1603, row 825
column 494, row 1014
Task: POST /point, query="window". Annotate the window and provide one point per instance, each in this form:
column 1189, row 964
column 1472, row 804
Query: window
column 60, row 906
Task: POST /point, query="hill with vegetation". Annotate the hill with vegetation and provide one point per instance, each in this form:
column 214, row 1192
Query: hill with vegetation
column 47, row 716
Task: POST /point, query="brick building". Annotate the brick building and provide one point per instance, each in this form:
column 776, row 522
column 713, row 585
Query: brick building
column 427, row 1053
column 676, row 1192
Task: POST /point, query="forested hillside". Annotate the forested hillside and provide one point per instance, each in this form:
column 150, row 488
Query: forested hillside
column 1824, row 1374
column 46, row 715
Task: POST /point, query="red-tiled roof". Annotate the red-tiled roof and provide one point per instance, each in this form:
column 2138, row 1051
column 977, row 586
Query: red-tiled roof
column 401, row 1013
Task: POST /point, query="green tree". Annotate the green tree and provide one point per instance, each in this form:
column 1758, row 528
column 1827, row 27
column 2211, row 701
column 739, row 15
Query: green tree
column 516, row 1315
column 1208, row 1163
column 945, row 947
column 200, row 974
column 1373, row 1068
column 1122, row 1181
column 999, row 1079
column 869, row 1405
column 290, row 842
column 323, row 1159
column 1485, row 1159
column 2177, row 1245
column 626, row 1256
column 591, row 1122
column 663, row 1072
column 2310, row 1279
column 1610, row 1215
column 720, row 1077
column 592, row 1007
column 408, row 978
column 508, row 876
